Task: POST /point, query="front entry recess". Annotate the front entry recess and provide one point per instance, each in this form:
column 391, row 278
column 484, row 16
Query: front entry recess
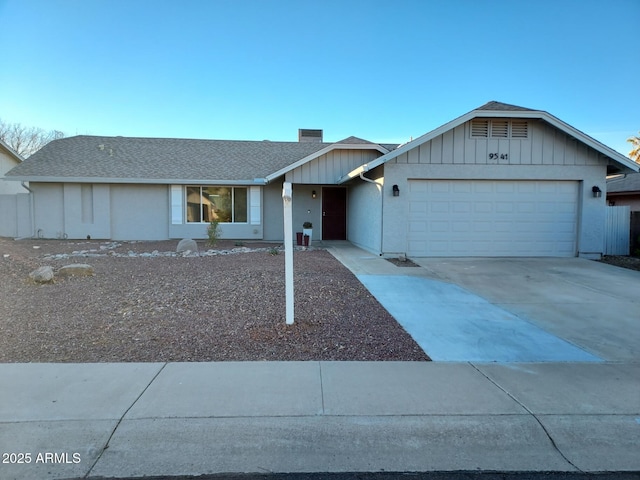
column 334, row 213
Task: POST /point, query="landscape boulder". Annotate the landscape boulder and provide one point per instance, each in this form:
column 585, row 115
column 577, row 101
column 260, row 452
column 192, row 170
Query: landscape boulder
column 42, row 274
column 187, row 245
column 76, row 269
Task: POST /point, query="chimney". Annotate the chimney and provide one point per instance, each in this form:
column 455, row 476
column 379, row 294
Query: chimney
column 309, row 136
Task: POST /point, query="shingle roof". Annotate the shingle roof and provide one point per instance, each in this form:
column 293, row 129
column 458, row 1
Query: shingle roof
column 161, row 158
column 493, row 105
column 628, row 183
column 355, row 141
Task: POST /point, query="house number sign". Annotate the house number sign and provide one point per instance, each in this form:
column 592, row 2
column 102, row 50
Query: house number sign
column 501, row 156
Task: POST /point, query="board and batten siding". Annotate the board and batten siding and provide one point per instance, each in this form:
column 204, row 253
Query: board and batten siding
column 545, row 145
column 328, row 168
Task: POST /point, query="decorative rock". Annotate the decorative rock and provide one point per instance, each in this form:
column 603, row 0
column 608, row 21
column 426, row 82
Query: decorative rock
column 77, row 269
column 186, row 244
column 42, row 274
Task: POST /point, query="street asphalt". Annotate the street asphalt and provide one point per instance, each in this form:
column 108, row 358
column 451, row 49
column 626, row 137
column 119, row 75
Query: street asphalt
column 499, row 415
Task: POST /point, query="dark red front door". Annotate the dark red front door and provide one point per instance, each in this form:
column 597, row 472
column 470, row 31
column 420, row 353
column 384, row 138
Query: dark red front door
column 334, row 213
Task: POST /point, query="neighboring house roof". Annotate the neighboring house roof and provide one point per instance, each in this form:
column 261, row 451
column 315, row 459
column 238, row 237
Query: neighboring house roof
column 619, row 163
column 170, row 160
column 629, row 184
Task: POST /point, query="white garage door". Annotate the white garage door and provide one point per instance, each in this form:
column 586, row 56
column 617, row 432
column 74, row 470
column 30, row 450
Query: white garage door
column 492, row 218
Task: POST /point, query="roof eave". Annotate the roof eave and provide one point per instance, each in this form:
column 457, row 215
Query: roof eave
column 623, row 193
column 146, row 181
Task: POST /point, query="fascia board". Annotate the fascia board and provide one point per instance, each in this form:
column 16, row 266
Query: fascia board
column 623, row 193
column 323, row 151
column 146, row 181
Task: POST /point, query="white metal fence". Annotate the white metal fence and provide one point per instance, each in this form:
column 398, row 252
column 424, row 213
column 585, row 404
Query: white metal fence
column 617, row 231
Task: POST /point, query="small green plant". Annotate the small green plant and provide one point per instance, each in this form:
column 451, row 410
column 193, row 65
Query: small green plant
column 274, row 251
column 239, row 244
column 213, row 232
column 307, row 225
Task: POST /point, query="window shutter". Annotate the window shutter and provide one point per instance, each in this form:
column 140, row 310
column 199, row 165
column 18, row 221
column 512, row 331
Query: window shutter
column 500, row 128
column 519, row 129
column 177, row 205
column 480, row 128
column 254, row 203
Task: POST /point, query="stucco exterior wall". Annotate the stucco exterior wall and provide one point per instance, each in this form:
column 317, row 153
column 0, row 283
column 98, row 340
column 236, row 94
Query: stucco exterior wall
column 548, row 154
column 364, row 206
column 307, row 209
column 48, row 200
column 272, row 211
column 139, row 212
column 632, row 200
column 7, row 162
column 87, row 210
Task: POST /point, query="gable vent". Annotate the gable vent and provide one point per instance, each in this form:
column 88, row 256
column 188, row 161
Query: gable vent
column 307, row 135
column 519, row 129
column 480, row 128
column 500, row 128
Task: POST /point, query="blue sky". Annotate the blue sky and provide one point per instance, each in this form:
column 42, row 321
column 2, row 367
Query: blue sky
column 381, row 70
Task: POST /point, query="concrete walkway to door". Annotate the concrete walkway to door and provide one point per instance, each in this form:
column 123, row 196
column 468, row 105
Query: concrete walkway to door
column 508, row 309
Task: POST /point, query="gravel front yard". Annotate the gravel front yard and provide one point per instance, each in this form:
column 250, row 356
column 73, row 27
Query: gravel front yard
column 205, row 308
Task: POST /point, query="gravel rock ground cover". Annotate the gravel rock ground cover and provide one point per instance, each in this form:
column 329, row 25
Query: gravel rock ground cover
column 632, row 263
column 214, row 307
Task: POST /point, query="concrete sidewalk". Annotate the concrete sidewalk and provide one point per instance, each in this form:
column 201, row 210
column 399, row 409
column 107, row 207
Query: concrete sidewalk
column 122, row 420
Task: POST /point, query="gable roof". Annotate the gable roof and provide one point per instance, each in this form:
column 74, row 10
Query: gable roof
column 625, row 184
column 620, row 163
column 97, row 159
column 503, row 107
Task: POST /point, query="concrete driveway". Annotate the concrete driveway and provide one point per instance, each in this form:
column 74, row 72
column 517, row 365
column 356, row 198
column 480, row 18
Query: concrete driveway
column 508, row 309
column 591, row 305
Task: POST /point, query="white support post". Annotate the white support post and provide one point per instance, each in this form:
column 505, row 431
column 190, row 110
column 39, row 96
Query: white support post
column 287, row 201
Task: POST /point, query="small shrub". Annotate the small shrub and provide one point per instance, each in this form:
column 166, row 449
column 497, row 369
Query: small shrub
column 274, row 251
column 307, row 225
column 213, row 232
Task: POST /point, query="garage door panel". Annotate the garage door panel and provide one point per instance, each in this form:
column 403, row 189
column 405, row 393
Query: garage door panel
column 483, row 207
column 492, row 218
column 439, row 207
column 462, row 187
